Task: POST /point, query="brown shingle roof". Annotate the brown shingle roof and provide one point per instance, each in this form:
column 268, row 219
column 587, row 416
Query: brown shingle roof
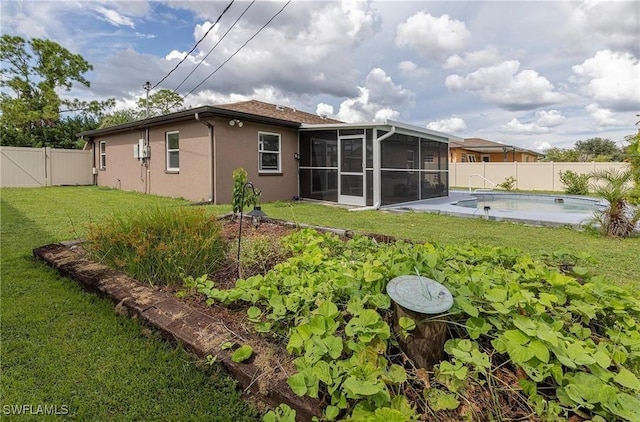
column 476, row 142
column 274, row 111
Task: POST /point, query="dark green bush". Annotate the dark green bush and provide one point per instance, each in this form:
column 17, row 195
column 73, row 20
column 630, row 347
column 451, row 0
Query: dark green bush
column 159, row 245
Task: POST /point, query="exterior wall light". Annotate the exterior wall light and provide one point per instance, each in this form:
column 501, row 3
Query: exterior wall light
column 236, row 122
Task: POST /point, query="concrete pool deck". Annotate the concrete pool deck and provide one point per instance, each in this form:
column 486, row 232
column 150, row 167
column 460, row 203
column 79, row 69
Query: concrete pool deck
column 446, row 205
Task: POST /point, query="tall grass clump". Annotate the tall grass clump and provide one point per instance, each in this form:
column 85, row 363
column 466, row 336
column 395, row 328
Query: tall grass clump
column 158, row 245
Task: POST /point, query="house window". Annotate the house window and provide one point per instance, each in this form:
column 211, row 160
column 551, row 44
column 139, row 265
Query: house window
column 486, row 158
column 269, row 152
column 471, row 158
column 173, row 151
column 411, row 158
column 103, row 154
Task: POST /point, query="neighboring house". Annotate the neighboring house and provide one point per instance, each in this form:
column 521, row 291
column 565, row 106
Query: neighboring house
column 286, row 152
column 474, row 150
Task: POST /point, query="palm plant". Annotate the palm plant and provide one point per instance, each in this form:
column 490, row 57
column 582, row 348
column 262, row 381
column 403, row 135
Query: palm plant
column 619, row 219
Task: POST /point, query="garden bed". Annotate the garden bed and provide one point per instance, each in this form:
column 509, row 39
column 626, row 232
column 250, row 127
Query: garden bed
column 202, row 329
column 506, row 340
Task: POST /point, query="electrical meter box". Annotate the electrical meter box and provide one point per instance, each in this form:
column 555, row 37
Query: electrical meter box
column 141, row 150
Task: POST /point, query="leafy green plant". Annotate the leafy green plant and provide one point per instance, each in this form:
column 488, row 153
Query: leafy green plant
column 575, row 183
column 406, row 326
column 282, row 413
column 158, row 245
column 508, row 184
column 242, row 353
column 551, row 331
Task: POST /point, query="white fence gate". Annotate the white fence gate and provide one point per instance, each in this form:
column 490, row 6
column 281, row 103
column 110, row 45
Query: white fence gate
column 35, row 167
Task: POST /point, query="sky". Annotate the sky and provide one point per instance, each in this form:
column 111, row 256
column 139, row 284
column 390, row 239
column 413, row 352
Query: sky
column 535, row 74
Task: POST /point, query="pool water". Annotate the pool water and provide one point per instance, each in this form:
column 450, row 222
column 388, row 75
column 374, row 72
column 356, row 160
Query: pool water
column 551, row 204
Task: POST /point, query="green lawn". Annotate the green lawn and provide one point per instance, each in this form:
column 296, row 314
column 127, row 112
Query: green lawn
column 62, row 346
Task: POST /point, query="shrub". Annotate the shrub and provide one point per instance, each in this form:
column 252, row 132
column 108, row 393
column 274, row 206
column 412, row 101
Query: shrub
column 508, row 184
column 576, row 184
column 159, row 245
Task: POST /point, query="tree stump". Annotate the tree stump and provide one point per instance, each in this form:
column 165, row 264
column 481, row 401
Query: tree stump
column 425, row 344
column 422, row 300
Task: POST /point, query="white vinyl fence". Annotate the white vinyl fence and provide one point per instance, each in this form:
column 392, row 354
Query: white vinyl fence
column 35, row 167
column 529, row 176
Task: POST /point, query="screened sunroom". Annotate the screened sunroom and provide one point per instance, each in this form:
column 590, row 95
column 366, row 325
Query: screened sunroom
column 373, row 164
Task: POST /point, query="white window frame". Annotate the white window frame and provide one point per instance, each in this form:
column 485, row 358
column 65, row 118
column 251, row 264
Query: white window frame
column 103, row 154
column 262, row 151
column 172, row 150
column 487, row 156
column 471, row 158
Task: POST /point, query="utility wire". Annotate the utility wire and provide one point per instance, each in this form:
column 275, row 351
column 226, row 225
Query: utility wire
column 213, row 48
column 196, row 44
column 238, row 50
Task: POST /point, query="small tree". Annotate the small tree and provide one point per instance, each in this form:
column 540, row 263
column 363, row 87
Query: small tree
column 240, row 179
column 162, row 102
column 575, row 183
column 620, row 218
column 34, row 72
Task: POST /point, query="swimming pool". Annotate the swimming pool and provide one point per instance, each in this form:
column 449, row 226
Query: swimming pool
column 531, row 203
column 534, row 209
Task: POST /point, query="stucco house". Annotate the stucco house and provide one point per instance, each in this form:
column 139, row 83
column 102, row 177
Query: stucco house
column 286, row 152
column 473, row 150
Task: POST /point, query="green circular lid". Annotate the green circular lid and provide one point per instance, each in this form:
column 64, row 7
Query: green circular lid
column 420, row 294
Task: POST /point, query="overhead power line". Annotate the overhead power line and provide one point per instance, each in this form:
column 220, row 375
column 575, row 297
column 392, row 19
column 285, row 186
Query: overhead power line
column 213, row 48
column 196, row 45
column 238, row 50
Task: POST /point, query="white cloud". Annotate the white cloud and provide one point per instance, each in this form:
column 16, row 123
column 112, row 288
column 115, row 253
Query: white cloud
column 551, row 118
column 612, row 79
column 412, row 71
column 432, row 37
column 613, row 24
column 378, row 100
column 452, row 125
column 324, row 109
column 407, row 66
column 602, row 116
column 542, row 146
column 297, row 58
column 514, row 126
column 475, row 59
column 545, row 120
column 113, row 17
column 175, row 54
column 507, row 87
